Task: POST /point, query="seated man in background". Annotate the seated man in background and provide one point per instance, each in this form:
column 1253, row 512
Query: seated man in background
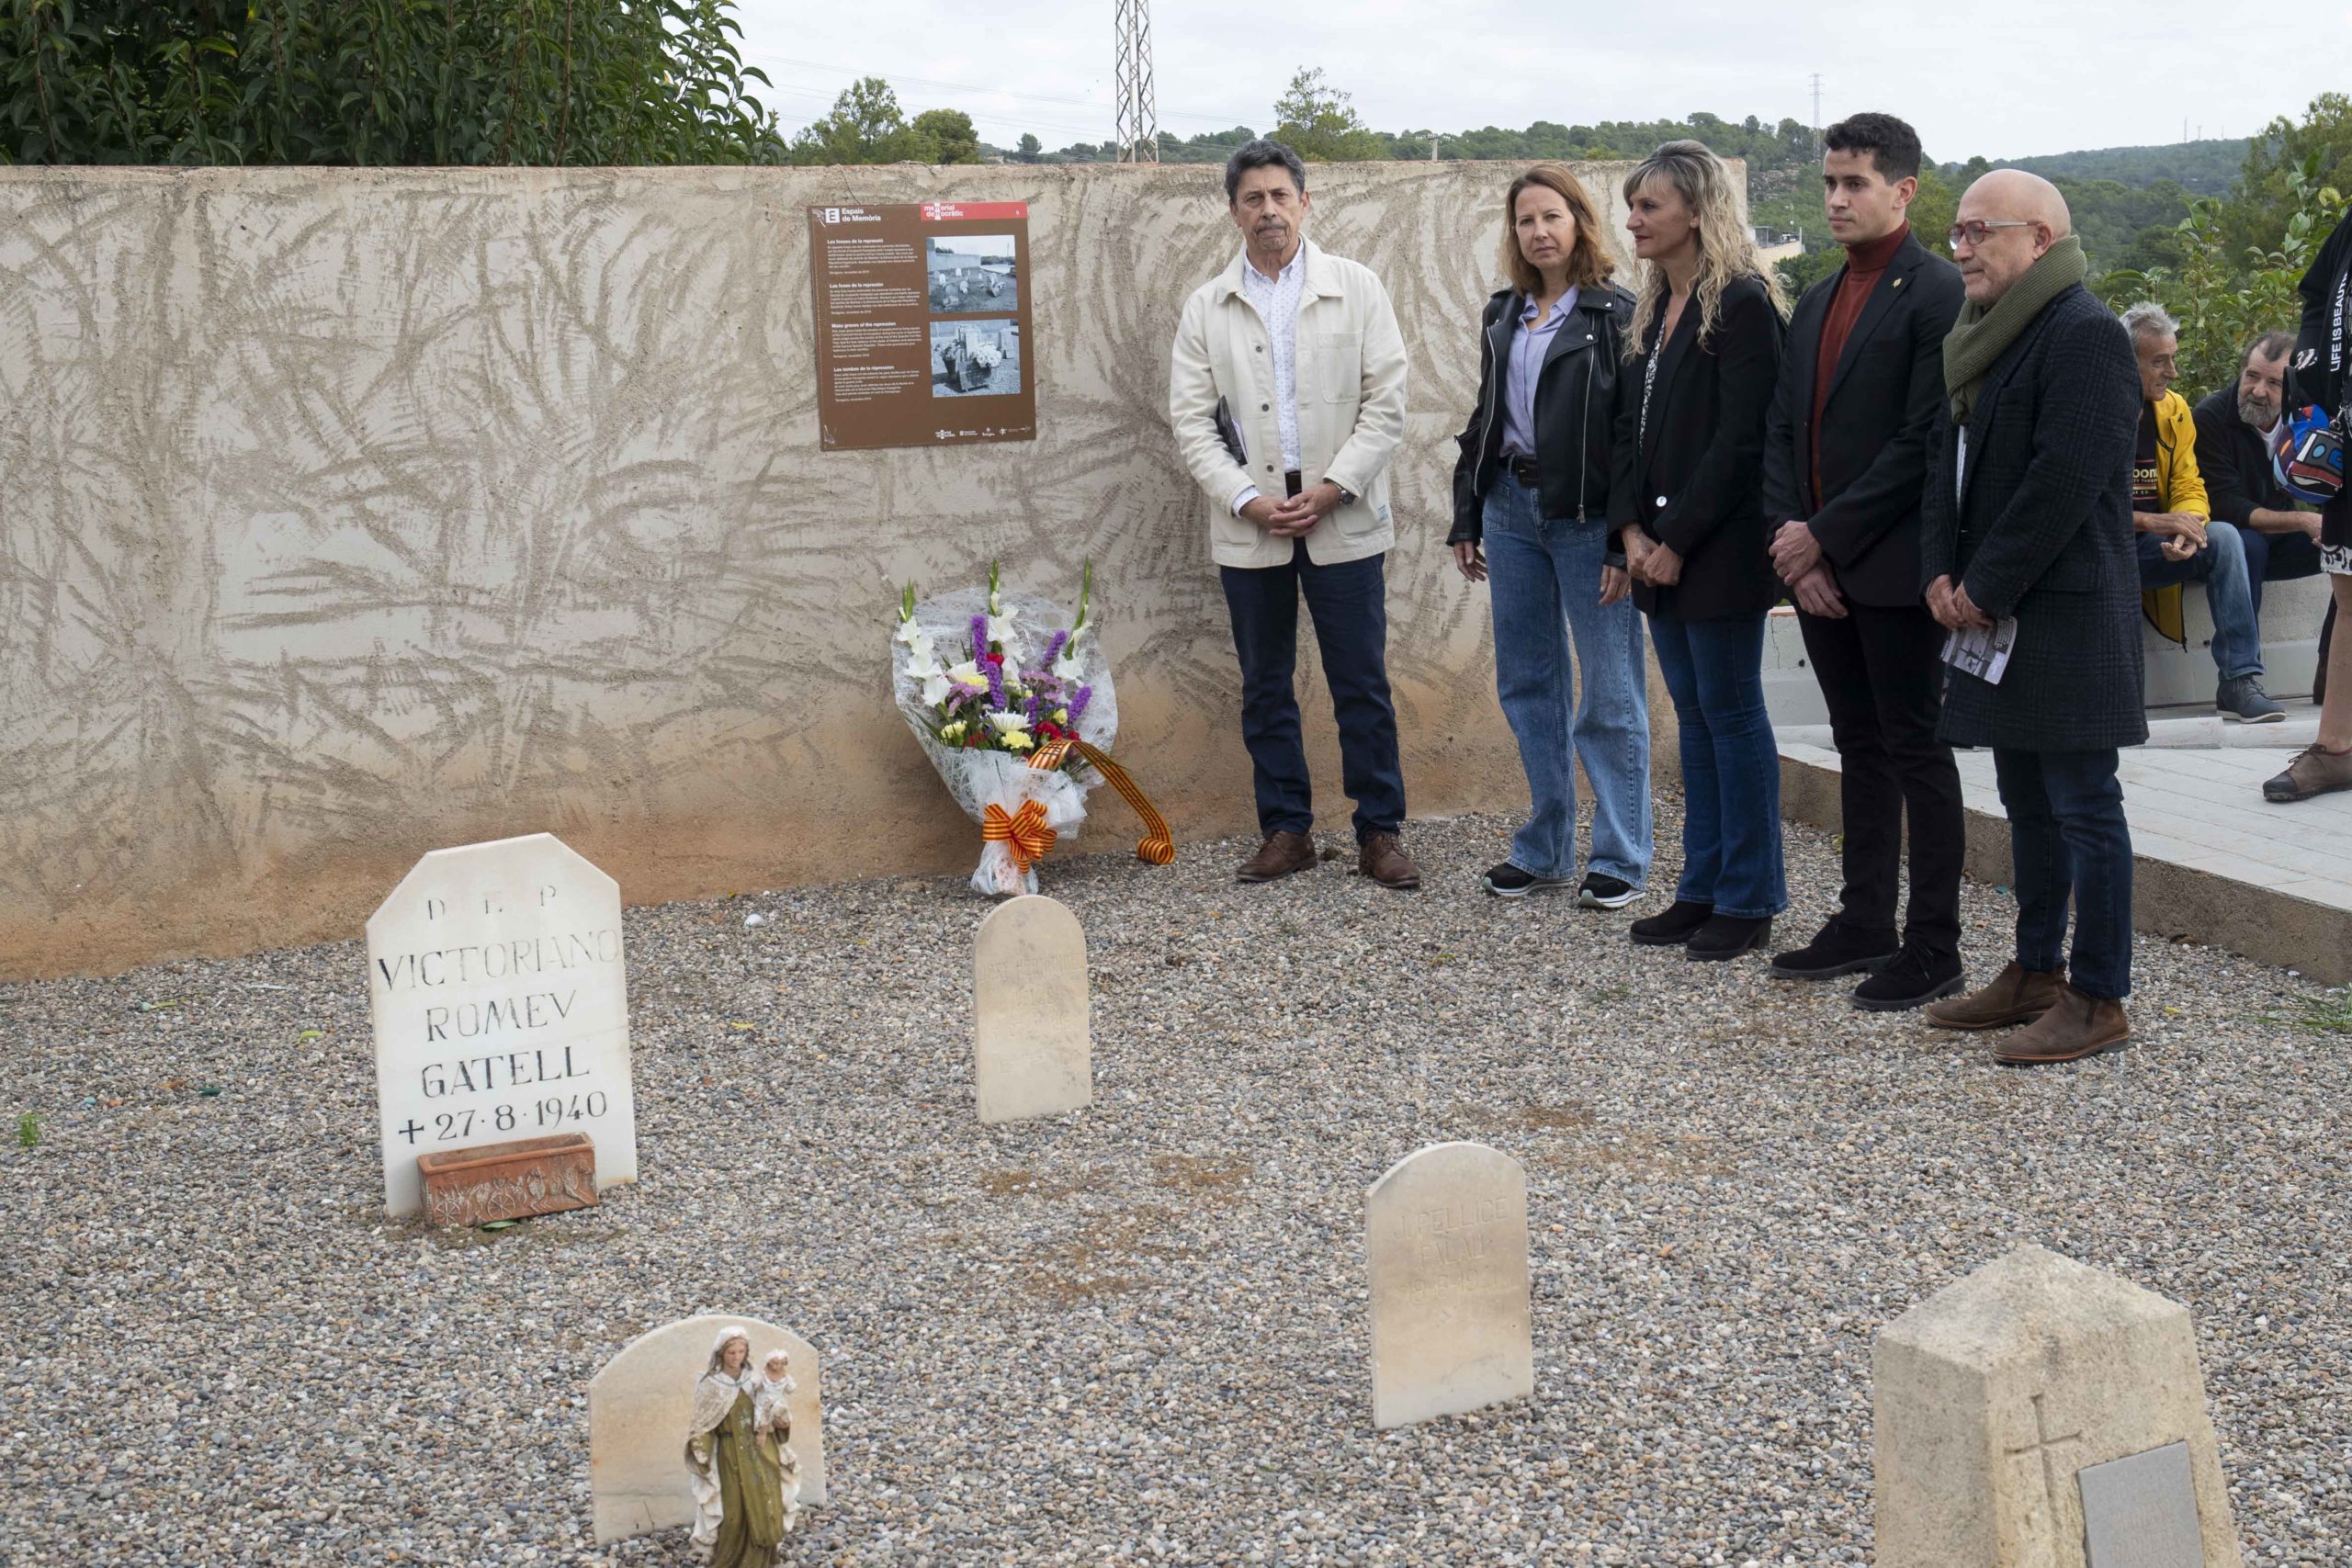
column 2175, row 542
column 2234, row 428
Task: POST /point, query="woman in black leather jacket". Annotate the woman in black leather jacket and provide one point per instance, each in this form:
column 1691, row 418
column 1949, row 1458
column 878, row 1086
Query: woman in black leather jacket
column 1531, row 487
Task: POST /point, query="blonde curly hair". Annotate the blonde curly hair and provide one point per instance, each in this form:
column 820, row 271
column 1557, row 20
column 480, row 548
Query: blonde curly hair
column 1726, row 244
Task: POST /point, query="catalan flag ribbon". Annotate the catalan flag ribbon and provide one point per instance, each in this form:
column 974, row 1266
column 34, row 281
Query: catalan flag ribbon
column 1158, row 847
column 1022, row 832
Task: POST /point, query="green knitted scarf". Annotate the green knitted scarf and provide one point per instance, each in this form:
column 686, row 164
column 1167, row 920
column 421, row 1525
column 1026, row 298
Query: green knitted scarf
column 1982, row 335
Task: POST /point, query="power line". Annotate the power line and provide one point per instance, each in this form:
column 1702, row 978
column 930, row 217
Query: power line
column 1221, row 119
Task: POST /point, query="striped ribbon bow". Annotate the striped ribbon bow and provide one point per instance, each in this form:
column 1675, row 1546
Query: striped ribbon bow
column 1158, row 847
column 1023, row 832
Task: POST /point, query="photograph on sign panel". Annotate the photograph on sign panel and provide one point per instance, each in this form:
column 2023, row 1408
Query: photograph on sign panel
column 974, row 359
column 974, row 272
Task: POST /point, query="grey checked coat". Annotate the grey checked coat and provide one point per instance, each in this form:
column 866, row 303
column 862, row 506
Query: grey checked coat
column 2042, row 530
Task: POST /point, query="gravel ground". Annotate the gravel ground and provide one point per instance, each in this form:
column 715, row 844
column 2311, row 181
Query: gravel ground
column 1138, row 1335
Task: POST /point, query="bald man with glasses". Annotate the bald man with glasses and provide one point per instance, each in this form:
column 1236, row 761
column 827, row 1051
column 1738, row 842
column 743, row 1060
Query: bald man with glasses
column 2026, row 545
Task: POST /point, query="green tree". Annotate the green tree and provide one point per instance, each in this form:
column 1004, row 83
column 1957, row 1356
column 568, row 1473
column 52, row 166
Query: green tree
column 865, row 126
column 947, row 137
column 2264, row 199
column 1319, row 123
column 1028, row 149
column 393, row 82
column 2223, row 293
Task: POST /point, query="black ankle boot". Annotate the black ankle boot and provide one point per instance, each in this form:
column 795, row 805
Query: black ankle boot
column 1728, row 936
column 1672, row 926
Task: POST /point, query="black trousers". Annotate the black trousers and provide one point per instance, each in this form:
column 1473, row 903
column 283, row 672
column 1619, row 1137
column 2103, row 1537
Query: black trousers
column 1882, row 671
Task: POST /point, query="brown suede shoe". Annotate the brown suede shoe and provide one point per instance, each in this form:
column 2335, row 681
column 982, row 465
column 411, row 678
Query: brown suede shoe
column 2314, row 772
column 1282, row 853
column 2017, row 995
column 1383, row 857
column 2075, row 1027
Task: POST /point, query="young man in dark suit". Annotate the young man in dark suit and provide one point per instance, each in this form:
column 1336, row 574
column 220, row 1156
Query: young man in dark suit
column 2025, row 531
column 1845, row 458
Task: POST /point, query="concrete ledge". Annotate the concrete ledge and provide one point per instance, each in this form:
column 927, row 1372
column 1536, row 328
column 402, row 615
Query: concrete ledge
column 2246, row 913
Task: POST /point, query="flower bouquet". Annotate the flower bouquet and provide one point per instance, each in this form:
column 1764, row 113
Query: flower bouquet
column 1017, row 712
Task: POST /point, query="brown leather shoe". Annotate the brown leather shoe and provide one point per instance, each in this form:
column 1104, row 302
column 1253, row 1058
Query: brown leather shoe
column 2075, row 1027
column 2017, row 995
column 1282, row 853
column 2315, row 771
column 1383, row 857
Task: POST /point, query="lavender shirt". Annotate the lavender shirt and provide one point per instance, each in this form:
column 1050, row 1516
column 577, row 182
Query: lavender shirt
column 1528, row 346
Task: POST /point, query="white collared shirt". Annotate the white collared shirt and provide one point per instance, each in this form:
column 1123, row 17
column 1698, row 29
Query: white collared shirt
column 1276, row 300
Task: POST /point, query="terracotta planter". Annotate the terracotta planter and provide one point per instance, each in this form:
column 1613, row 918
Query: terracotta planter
column 510, row 1181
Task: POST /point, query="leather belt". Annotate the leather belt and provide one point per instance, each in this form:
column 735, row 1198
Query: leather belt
column 1522, row 469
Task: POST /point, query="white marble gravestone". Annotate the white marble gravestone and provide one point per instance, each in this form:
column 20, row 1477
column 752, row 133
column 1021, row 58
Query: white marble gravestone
column 1445, row 1232
column 501, row 1007
column 636, row 1422
column 1031, row 1051
column 2002, row 1405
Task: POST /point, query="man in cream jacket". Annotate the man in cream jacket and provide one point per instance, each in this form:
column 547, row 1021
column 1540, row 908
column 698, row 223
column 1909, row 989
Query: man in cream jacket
column 1286, row 390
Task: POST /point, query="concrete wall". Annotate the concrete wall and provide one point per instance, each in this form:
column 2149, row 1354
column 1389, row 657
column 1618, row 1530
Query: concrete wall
column 351, row 513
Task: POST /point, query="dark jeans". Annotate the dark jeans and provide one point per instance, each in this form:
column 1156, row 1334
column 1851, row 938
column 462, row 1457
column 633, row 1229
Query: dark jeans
column 1881, row 674
column 2068, row 838
column 1349, row 603
column 2276, row 558
column 1731, row 766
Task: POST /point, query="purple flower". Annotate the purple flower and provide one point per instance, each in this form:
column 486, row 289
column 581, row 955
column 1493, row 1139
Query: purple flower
column 996, row 681
column 1084, row 695
column 1054, row 649
column 980, row 637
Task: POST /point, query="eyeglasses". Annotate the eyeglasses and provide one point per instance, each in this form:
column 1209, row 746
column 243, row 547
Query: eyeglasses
column 1975, row 229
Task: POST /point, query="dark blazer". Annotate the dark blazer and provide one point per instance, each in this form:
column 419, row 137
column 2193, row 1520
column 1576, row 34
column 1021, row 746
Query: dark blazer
column 1576, row 409
column 1690, row 482
column 1887, row 384
column 2043, row 533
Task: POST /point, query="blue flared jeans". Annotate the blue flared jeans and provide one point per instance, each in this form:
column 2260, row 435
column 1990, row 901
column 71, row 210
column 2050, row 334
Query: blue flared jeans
column 1544, row 576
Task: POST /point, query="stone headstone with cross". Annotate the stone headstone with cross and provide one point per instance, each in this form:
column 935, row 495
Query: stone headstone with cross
column 496, row 986
column 2039, row 1413
column 1445, row 1236
column 1032, row 1055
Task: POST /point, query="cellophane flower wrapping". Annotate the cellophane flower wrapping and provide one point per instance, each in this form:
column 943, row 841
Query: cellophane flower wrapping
column 976, row 778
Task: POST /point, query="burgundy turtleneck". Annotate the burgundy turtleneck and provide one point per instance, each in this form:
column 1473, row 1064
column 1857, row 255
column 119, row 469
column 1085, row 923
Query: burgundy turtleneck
column 1864, row 263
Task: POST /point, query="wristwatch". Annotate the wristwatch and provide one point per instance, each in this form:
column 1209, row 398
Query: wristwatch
column 1347, row 496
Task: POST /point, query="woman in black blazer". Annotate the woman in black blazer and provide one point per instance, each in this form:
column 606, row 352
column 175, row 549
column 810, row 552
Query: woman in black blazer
column 1703, row 352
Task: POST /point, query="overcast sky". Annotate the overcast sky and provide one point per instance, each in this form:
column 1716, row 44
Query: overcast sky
column 2008, row 80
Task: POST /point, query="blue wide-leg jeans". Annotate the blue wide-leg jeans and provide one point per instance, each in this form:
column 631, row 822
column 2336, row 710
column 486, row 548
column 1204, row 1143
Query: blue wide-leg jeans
column 1544, row 576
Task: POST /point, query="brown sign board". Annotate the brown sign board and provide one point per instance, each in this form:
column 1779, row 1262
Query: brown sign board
column 923, row 324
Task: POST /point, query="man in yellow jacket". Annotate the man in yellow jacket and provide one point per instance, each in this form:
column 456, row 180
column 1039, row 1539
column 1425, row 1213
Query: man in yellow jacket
column 2176, row 542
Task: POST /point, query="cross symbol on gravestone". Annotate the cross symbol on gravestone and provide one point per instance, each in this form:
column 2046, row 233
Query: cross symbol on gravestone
column 410, row 1131
column 2043, row 1444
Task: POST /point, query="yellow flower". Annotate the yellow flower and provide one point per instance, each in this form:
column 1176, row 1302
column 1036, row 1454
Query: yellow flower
column 1019, row 740
column 1061, row 716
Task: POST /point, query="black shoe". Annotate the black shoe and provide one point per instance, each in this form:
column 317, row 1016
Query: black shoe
column 1727, row 936
column 1508, row 881
column 1838, row 948
column 1913, row 977
column 1601, row 891
column 1672, row 926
